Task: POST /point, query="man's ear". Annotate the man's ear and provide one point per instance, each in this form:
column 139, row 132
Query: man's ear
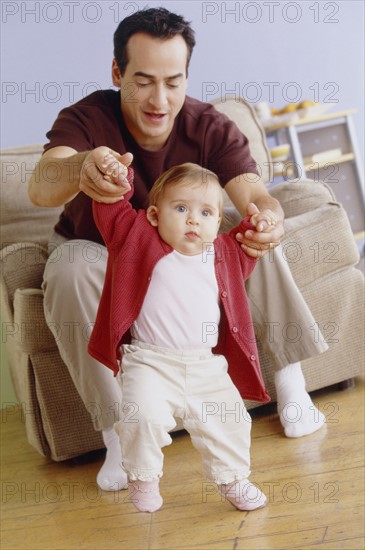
column 152, row 215
column 116, row 76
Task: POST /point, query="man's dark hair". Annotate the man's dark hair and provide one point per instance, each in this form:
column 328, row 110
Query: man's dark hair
column 157, row 22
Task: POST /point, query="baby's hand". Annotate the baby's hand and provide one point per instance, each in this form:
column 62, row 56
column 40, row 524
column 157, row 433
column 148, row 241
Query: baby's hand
column 266, row 215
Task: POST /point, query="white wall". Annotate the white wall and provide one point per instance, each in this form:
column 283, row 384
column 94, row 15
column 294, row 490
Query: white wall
column 54, row 52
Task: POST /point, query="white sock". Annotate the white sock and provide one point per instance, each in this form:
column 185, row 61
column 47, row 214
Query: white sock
column 298, row 415
column 111, row 476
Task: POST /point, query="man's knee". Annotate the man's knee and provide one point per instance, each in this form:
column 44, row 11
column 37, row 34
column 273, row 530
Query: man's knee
column 72, row 262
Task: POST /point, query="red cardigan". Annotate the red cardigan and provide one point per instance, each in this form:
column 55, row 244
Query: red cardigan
column 134, row 248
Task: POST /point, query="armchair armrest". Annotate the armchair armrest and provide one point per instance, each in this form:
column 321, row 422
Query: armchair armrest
column 32, row 334
column 317, row 243
column 296, row 198
column 300, row 196
column 22, row 266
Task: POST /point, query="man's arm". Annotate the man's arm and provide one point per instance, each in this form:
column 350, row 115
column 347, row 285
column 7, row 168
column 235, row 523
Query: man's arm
column 62, row 172
column 250, row 196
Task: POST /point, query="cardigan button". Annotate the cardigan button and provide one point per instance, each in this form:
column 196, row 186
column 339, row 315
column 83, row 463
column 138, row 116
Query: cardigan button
column 234, row 329
column 253, row 357
column 224, row 294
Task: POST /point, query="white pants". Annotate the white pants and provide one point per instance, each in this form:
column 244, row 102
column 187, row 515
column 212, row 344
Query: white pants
column 72, row 285
column 160, row 386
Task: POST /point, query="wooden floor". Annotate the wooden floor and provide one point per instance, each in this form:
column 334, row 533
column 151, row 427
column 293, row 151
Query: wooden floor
column 315, row 488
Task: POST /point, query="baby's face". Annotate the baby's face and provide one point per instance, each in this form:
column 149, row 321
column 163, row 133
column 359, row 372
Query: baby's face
column 187, row 216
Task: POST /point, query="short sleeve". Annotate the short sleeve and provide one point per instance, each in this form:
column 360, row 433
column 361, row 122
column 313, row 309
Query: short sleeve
column 229, row 150
column 71, row 129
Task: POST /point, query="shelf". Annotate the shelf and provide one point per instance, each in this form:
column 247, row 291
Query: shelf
column 310, row 166
column 324, row 148
column 302, row 121
column 359, row 235
column 288, row 166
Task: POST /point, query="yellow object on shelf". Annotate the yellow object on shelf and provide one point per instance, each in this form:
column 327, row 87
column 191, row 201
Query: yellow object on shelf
column 323, row 156
column 280, row 153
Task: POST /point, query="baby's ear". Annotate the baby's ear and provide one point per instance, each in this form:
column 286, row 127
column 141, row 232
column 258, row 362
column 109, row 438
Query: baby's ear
column 152, row 215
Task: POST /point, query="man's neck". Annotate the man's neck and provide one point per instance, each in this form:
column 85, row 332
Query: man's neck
column 149, row 143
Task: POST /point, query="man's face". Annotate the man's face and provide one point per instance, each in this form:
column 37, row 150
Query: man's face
column 153, row 87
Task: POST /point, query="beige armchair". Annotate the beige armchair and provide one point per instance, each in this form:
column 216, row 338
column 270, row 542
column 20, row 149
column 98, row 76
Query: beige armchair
column 319, row 248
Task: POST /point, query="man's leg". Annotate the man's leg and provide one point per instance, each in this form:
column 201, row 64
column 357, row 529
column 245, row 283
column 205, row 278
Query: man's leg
column 73, row 281
column 285, row 327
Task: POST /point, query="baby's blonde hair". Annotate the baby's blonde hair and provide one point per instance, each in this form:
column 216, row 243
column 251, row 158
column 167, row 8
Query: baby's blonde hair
column 188, row 172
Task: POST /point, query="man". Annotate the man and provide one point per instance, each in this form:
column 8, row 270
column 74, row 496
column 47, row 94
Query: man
column 152, row 123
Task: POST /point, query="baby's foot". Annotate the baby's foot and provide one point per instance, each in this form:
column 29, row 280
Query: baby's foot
column 145, row 495
column 244, row 495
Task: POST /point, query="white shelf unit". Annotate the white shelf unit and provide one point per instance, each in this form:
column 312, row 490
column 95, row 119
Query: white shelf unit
column 343, row 173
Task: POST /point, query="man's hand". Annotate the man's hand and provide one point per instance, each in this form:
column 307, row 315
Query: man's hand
column 104, row 175
column 268, row 234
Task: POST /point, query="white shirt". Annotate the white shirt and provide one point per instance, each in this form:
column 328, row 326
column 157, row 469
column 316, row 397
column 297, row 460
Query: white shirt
column 181, row 307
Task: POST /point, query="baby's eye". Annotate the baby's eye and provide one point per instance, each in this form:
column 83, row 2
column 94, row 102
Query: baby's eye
column 206, row 213
column 181, row 208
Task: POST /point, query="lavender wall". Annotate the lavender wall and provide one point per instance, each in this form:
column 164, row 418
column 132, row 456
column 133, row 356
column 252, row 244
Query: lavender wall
column 54, row 53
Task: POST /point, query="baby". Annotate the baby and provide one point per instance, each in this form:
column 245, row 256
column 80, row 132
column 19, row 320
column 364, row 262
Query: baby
column 174, row 323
